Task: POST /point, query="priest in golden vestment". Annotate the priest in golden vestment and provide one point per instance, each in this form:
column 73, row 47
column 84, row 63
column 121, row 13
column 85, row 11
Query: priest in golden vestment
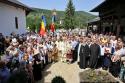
column 60, row 45
column 55, row 53
column 64, row 49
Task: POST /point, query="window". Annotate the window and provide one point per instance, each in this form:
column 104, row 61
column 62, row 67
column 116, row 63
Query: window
column 16, row 22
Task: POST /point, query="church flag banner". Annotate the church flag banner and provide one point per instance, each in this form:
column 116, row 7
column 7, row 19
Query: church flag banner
column 52, row 26
column 42, row 26
column 53, row 18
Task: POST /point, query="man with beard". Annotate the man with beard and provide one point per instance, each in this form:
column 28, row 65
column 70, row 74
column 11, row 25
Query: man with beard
column 84, row 53
column 94, row 53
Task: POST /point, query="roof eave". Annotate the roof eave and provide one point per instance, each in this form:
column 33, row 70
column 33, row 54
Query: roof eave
column 28, row 9
column 96, row 9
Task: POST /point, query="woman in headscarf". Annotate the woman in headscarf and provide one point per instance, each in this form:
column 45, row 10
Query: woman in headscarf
column 115, row 67
column 37, row 70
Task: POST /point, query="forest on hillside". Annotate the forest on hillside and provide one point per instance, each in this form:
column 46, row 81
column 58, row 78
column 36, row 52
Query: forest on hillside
column 34, row 18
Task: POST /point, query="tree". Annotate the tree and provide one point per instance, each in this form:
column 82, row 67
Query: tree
column 69, row 20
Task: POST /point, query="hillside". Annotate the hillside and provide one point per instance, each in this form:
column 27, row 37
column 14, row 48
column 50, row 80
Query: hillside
column 34, row 18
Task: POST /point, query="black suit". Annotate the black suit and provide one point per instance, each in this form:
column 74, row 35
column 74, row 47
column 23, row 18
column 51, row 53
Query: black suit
column 84, row 53
column 94, row 54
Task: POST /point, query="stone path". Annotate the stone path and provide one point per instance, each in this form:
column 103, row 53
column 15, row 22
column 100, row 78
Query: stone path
column 70, row 72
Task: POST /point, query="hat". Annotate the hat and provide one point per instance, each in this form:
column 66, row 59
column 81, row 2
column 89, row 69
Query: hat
column 14, row 42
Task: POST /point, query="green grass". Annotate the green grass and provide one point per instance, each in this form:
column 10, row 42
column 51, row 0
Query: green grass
column 96, row 76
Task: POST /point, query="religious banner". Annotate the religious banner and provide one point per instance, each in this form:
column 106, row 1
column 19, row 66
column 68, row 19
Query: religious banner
column 42, row 26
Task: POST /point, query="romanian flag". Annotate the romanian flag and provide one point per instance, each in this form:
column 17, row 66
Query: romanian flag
column 42, row 26
column 52, row 26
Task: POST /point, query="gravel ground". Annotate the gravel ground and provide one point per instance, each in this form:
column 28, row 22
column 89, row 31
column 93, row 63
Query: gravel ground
column 70, row 72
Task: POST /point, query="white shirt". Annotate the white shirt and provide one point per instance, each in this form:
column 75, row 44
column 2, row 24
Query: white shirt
column 122, row 51
column 79, row 49
column 113, row 43
column 45, row 48
column 118, row 52
column 102, row 50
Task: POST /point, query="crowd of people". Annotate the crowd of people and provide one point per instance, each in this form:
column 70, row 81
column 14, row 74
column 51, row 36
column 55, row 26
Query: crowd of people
column 28, row 54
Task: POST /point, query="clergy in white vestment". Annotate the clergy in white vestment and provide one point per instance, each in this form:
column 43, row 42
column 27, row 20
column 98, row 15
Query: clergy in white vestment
column 69, row 51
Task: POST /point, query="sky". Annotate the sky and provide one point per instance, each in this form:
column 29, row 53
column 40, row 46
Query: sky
column 80, row 5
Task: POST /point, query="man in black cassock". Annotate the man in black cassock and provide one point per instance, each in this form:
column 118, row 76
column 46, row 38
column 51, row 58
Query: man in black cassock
column 74, row 50
column 84, row 53
column 94, row 54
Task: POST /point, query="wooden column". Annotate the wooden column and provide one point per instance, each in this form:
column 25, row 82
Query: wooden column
column 118, row 30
